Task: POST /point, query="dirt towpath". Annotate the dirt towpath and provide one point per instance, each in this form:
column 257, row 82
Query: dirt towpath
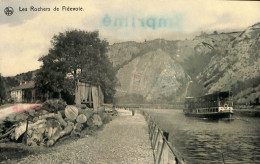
column 124, row 140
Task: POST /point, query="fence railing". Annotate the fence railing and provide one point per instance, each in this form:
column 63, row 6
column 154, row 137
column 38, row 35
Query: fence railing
column 163, row 151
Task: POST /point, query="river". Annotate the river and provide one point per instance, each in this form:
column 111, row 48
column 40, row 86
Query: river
column 211, row 141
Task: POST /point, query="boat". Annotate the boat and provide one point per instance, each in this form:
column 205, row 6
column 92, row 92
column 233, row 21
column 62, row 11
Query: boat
column 215, row 105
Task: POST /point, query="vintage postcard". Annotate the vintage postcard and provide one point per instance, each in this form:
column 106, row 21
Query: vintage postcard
column 139, row 81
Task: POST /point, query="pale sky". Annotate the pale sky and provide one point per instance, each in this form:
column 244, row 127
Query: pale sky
column 25, row 36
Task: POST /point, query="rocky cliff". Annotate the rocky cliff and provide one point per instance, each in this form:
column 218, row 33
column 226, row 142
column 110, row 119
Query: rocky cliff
column 236, row 67
column 166, row 71
column 155, row 71
column 148, row 71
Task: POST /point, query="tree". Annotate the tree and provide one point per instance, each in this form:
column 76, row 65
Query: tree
column 49, row 80
column 83, row 55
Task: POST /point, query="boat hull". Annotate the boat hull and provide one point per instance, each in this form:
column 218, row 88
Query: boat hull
column 211, row 115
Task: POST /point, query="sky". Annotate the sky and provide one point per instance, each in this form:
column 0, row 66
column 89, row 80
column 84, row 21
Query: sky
column 26, row 34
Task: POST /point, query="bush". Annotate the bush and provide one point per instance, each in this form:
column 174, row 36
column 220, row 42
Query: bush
column 54, row 105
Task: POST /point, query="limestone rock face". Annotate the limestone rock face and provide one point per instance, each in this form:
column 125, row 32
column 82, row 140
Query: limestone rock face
column 146, row 70
column 152, row 75
column 236, row 67
column 166, row 71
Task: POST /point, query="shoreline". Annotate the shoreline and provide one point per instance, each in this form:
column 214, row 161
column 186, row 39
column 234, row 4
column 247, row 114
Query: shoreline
column 247, row 112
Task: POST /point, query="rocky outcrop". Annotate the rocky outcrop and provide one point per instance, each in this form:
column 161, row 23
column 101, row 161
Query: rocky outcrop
column 154, row 75
column 161, row 70
column 166, row 71
column 236, row 67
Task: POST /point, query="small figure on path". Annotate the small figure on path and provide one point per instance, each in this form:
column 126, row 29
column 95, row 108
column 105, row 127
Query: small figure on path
column 133, row 112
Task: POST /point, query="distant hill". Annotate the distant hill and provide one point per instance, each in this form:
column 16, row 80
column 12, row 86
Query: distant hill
column 12, row 81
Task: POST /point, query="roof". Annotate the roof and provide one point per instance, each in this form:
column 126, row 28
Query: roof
column 28, row 85
column 217, row 93
column 81, row 81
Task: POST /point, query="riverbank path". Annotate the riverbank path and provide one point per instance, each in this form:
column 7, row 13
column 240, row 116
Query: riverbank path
column 124, row 140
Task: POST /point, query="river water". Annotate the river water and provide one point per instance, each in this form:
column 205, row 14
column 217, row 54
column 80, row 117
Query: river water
column 211, row 141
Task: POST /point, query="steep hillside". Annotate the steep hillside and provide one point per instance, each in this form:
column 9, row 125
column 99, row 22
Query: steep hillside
column 148, row 71
column 166, row 71
column 236, row 67
column 161, row 70
column 123, row 53
column 154, row 76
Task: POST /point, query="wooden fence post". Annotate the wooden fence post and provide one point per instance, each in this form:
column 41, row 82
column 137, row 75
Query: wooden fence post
column 165, row 158
column 160, row 151
column 158, row 148
column 26, row 131
column 152, row 130
column 155, row 139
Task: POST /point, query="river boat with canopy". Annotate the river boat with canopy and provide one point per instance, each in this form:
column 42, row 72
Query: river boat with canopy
column 215, row 105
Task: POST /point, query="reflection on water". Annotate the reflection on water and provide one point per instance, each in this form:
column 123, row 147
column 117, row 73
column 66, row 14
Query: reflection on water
column 211, row 141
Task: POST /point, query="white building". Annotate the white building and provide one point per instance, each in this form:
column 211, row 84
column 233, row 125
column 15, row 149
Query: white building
column 25, row 92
